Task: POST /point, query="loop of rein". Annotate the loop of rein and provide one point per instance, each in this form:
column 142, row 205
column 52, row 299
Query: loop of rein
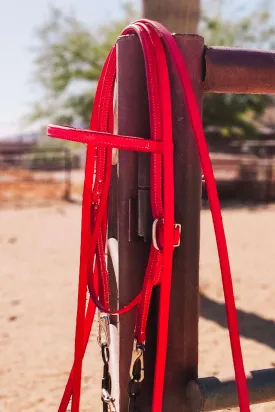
column 93, row 271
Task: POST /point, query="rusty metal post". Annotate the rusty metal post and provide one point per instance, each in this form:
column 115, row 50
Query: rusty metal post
column 231, row 70
column 133, row 119
column 132, row 184
column 182, row 356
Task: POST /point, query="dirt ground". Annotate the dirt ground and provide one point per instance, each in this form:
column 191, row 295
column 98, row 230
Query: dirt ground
column 39, row 249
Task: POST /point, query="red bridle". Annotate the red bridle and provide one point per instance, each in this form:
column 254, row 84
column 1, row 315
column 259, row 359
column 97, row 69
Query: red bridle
column 166, row 233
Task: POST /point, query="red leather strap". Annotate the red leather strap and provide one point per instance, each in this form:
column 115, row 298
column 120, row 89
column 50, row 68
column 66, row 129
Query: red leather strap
column 100, row 140
column 105, row 139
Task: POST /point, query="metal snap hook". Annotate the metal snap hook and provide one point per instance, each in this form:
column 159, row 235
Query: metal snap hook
column 109, row 400
column 137, row 362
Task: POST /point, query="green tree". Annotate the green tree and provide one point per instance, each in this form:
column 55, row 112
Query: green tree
column 232, row 114
column 67, row 63
column 68, row 60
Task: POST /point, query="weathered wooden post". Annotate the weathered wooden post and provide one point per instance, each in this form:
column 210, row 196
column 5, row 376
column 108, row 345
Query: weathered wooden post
column 134, row 224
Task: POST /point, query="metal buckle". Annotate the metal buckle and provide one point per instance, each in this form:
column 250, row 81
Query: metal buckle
column 104, row 330
column 154, row 234
column 109, row 400
column 177, row 226
column 137, row 356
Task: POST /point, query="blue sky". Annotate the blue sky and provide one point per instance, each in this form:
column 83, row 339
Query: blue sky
column 18, row 19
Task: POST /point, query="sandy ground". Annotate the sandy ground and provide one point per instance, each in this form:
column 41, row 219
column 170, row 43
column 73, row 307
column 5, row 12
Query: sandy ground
column 39, row 251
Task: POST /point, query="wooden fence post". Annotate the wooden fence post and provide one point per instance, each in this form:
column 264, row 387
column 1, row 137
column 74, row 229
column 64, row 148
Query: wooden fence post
column 132, row 184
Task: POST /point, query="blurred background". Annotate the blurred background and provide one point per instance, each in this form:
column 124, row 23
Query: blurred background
column 51, row 57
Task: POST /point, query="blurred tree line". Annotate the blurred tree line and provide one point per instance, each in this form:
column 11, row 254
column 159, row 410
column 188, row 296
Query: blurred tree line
column 69, row 57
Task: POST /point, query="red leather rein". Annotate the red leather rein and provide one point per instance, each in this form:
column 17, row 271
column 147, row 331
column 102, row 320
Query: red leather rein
column 93, row 272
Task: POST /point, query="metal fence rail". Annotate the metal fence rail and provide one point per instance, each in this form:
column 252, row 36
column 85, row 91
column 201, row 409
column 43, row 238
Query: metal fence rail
column 229, row 70
column 210, row 394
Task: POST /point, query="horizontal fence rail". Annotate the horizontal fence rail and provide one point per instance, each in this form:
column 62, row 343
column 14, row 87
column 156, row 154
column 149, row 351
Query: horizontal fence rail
column 210, row 394
column 231, row 70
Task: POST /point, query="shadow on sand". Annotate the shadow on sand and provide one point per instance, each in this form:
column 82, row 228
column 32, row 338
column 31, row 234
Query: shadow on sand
column 251, row 326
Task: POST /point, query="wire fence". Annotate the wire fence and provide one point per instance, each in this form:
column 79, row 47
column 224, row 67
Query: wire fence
column 244, row 177
column 40, row 175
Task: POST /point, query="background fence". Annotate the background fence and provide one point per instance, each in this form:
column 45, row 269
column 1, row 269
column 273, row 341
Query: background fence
column 241, row 177
column 39, row 175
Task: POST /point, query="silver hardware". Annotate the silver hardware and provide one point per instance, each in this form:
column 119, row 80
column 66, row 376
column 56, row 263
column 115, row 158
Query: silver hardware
column 104, row 330
column 137, row 356
column 178, row 226
column 107, row 398
column 154, row 234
